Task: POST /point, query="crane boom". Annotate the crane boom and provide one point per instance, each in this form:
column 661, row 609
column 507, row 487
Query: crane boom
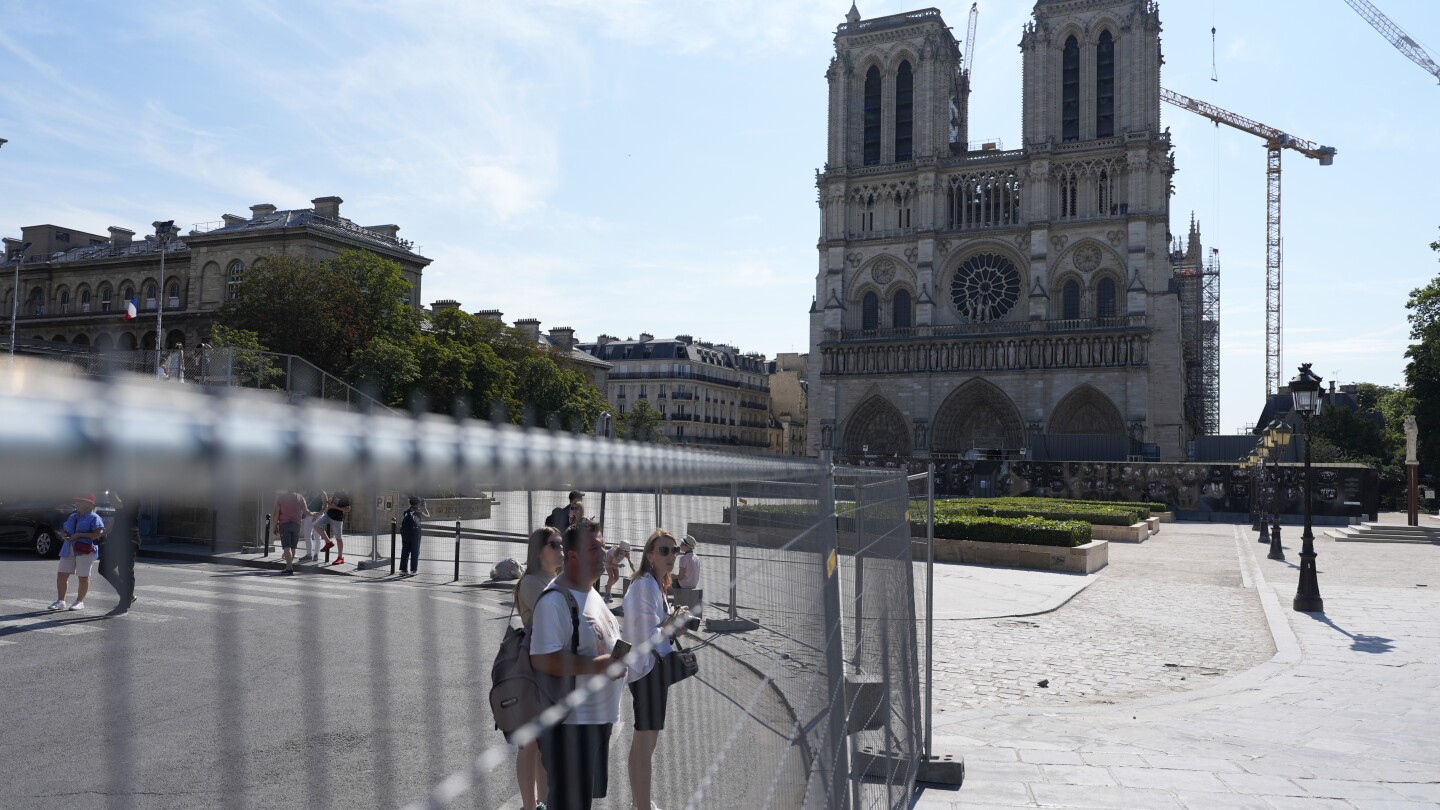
column 970, row 39
column 1275, row 141
column 1401, row 40
column 1324, row 154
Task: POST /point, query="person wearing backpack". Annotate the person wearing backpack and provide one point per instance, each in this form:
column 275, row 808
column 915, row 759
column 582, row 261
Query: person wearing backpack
column 576, row 751
column 410, row 536
column 563, row 517
column 544, row 561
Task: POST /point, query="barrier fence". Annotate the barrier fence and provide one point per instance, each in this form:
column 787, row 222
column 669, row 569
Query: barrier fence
column 812, row 690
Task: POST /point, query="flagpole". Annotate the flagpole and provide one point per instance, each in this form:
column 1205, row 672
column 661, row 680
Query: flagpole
column 162, row 232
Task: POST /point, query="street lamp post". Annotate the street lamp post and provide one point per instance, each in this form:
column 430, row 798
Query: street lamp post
column 1257, row 458
column 1305, row 391
column 15, row 297
column 162, row 236
column 1280, row 434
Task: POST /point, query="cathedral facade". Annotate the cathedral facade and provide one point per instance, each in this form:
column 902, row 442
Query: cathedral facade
column 971, row 298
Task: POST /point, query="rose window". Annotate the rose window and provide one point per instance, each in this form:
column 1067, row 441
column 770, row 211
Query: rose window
column 985, row 288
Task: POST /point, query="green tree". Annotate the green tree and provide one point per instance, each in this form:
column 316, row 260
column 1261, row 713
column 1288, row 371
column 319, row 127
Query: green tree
column 641, row 423
column 1422, row 373
column 238, row 357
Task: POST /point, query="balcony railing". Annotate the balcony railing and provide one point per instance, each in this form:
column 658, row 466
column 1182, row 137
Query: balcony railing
column 1107, row 323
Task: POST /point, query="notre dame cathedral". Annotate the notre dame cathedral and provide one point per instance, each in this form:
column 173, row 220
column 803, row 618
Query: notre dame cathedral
column 972, row 298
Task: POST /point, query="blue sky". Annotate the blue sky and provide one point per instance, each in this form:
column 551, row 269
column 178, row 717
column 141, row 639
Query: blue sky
column 648, row 165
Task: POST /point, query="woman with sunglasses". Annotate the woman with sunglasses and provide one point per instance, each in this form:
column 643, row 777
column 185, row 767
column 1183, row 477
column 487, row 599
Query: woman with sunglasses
column 544, row 561
column 648, row 619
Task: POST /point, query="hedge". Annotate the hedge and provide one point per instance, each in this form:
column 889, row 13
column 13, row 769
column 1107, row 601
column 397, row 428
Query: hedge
column 1032, row 530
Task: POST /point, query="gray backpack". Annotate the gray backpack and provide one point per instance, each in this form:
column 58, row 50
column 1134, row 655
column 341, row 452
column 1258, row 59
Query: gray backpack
column 506, row 570
column 518, row 694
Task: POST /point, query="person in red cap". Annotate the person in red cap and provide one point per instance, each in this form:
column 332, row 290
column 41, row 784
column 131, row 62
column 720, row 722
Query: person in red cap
column 82, row 533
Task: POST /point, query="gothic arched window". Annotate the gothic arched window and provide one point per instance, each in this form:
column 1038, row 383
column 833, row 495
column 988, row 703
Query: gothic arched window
column 901, row 310
column 106, row 297
column 872, row 116
column 1070, row 92
column 904, row 112
column 1070, row 300
column 1105, row 298
column 1105, row 87
column 232, row 279
column 870, row 311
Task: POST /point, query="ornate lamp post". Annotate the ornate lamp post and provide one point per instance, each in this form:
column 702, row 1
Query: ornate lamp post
column 1305, row 391
column 1257, row 459
column 1280, row 434
column 162, row 233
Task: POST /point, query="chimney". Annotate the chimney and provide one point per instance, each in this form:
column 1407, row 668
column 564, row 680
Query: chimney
column 602, row 340
column 564, row 337
column 261, row 210
column 384, row 230
column 444, row 304
column 646, row 337
column 327, row 206
column 120, row 237
column 531, row 327
column 686, row 339
column 231, row 219
column 491, row 315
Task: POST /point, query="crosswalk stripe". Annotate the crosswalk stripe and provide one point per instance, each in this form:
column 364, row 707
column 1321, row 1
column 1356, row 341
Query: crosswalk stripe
column 234, row 597
column 40, row 604
column 268, row 588
column 18, row 621
column 155, row 601
column 336, row 584
column 471, row 603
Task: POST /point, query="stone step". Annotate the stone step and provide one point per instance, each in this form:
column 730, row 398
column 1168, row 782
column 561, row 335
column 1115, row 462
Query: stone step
column 1386, row 533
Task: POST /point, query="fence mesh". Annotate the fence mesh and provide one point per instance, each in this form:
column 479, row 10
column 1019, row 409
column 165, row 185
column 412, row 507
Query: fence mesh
column 810, row 692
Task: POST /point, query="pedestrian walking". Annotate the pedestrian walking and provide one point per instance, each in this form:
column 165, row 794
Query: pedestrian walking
column 648, row 619
column 410, row 536
column 290, row 511
column 614, row 556
column 82, row 534
column 544, row 561
column 331, row 525
column 120, row 547
column 576, row 751
column 314, row 506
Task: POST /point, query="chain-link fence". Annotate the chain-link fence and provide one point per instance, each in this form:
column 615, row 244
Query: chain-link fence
column 811, row 689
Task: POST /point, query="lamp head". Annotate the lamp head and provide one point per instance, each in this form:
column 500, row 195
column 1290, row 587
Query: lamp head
column 1305, row 391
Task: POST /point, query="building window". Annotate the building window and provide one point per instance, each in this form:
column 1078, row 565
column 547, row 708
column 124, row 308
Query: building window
column 1070, row 300
column 105, row 299
column 985, row 288
column 643, row 395
column 127, row 293
column 1069, row 195
column 1104, row 194
column 662, row 390
column 85, row 301
column 900, row 317
column 61, row 236
column 1105, row 87
column 172, row 296
column 904, row 112
column 1070, row 92
column 37, row 302
column 149, row 295
column 1105, row 298
column 870, row 312
column 872, row 116
column 64, row 300
column 232, row 279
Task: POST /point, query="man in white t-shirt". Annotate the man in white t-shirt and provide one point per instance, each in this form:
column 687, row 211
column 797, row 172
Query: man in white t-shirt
column 576, row 752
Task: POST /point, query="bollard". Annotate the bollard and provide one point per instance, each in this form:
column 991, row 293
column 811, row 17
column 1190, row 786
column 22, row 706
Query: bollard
column 267, row 534
column 457, row 550
column 392, row 547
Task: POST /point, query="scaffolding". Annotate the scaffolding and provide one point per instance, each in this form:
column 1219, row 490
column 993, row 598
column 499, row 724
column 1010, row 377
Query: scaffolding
column 1198, row 285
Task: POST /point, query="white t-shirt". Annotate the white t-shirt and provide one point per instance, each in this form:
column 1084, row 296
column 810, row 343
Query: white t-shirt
column 645, row 611
column 598, row 633
column 688, row 570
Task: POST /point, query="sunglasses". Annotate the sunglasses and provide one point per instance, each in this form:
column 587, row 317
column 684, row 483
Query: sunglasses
column 666, row 551
column 555, row 544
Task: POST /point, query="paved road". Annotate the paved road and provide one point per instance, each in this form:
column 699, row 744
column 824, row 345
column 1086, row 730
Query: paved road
column 233, row 687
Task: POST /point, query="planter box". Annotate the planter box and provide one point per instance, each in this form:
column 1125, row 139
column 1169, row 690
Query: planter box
column 1134, row 533
column 1165, row 517
column 1154, row 525
column 1086, row 559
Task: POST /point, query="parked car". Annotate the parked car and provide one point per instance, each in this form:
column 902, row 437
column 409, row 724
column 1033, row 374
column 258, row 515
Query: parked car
column 34, row 524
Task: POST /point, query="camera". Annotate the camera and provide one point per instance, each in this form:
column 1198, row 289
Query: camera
column 691, row 624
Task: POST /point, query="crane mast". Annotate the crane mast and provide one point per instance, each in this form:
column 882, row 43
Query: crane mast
column 970, row 40
column 1397, row 37
column 1275, row 141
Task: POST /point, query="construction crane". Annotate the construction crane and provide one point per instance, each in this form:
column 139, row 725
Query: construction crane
column 1401, row 40
column 1275, row 140
column 970, row 40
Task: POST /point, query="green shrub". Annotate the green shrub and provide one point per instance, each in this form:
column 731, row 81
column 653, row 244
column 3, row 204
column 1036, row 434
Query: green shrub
column 1029, row 530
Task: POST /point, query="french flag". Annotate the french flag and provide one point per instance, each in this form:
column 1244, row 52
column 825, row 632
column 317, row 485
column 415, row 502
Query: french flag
column 131, row 308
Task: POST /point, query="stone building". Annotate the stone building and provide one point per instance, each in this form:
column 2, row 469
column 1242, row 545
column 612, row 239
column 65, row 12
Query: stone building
column 74, row 285
column 707, row 394
column 789, row 375
column 970, row 297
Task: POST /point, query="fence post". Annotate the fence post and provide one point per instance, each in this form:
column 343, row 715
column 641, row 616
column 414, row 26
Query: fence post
column 929, row 605
column 392, row 547
column 267, row 534
column 530, row 511
column 457, row 549
column 659, row 509
column 835, row 743
column 734, row 539
column 859, row 567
